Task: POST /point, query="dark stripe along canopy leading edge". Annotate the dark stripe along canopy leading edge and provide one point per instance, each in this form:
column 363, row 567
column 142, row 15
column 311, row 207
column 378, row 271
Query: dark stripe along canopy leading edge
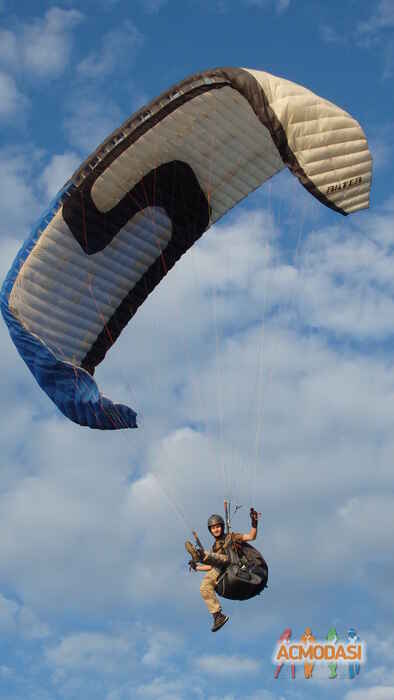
column 144, row 197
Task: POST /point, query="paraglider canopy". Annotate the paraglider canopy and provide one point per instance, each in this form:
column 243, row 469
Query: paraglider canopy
column 144, row 197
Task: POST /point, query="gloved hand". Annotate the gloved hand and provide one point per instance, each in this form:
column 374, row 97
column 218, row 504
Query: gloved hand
column 254, row 517
column 192, row 565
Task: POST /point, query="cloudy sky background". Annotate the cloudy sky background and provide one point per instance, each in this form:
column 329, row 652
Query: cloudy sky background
column 262, row 370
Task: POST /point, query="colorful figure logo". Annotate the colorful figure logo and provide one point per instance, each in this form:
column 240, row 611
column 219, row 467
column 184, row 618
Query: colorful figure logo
column 305, row 639
column 332, row 637
column 285, row 637
column 354, row 669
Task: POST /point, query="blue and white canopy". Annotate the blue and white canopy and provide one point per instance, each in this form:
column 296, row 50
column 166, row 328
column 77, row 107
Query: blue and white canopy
column 144, row 197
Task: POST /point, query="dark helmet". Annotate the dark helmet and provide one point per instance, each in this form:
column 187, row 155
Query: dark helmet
column 215, row 520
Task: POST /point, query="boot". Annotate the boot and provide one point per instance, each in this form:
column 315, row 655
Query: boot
column 196, row 554
column 219, row 620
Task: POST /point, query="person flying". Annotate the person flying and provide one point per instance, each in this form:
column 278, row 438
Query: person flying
column 215, row 561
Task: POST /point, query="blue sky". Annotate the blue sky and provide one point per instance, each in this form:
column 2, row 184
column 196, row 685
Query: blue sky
column 261, row 369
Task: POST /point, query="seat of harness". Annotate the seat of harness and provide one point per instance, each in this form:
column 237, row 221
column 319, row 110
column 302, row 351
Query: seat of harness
column 246, row 574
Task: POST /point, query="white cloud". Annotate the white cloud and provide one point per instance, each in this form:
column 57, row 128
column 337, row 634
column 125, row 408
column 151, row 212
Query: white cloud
column 18, row 202
column 115, row 661
column 280, row 6
column 348, row 530
column 42, row 47
column 21, row 620
column 12, row 102
column 381, row 18
column 331, row 35
column 31, row 626
column 46, row 43
column 265, row 695
column 225, row 665
column 20, row 207
column 118, row 48
column 152, row 6
column 5, row 671
column 381, row 148
column 382, row 646
column 90, row 651
column 368, row 34
column 8, row 47
column 8, row 611
column 90, row 120
column 58, row 171
column 48, row 519
column 380, row 675
column 165, row 689
column 162, row 644
column 345, row 286
column 373, row 693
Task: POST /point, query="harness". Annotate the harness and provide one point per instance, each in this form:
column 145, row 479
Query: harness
column 247, row 573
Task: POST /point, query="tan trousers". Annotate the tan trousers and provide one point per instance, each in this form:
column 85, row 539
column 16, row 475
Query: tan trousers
column 207, row 588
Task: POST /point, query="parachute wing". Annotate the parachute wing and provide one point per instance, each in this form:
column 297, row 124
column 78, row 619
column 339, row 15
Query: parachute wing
column 144, row 197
